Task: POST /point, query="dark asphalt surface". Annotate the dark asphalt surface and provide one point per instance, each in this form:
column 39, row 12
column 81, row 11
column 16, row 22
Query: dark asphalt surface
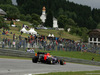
column 26, row 67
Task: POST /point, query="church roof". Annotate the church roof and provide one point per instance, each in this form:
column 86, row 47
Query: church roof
column 2, row 12
column 44, row 9
column 95, row 30
column 94, row 33
column 54, row 18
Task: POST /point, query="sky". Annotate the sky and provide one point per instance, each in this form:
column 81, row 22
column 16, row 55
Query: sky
column 14, row 2
column 91, row 3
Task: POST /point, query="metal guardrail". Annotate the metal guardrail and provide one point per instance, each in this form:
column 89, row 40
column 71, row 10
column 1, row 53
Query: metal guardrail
column 18, row 53
column 82, row 61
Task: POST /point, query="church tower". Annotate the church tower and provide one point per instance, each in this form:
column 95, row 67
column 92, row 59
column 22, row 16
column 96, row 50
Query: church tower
column 43, row 16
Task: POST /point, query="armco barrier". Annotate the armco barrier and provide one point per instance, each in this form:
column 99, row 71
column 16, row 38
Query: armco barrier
column 18, row 53
column 82, row 61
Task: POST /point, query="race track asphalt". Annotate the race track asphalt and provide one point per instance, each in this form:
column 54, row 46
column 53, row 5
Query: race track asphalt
column 26, row 67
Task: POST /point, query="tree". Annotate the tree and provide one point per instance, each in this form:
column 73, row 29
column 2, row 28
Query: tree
column 5, row 2
column 3, row 24
column 28, row 17
column 85, row 37
column 73, row 30
column 60, row 11
column 62, row 21
column 12, row 11
column 98, row 26
column 49, row 19
column 71, row 22
column 35, row 23
column 77, row 30
column 70, row 14
column 11, row 22
column 65, row 23
column 91, row 23
column 35, row 19
column 23, row 17
column 96, row 15
column 84, row 34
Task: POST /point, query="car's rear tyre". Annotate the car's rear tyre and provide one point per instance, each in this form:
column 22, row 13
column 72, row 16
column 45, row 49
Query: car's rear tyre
column 35, row 59
column 61, row 62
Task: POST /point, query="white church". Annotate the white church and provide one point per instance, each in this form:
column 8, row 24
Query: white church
column 43, row 18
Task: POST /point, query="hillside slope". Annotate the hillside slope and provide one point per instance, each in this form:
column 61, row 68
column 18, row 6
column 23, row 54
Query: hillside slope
column 16, row 31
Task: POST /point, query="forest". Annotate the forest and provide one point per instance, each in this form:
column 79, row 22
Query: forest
column 83, row 16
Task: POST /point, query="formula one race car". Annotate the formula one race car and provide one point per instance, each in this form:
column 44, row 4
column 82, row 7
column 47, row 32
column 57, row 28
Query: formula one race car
column 46, row 58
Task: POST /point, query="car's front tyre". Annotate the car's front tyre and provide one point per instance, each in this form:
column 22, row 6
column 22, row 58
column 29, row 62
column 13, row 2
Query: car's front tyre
column 61, row 62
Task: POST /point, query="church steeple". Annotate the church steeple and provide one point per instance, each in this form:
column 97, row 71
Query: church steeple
column 43, row 16
column 43, row 10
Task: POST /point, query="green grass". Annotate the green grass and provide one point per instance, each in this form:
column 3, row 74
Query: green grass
column 11, row 57
column 80, row 55
column 16, row 30
column 75, row 73
column 55, row 32
column 20, row 23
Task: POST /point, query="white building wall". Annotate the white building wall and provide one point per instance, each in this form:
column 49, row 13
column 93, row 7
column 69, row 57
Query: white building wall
column 43, row 18
column 55, row 24
column 93, row 41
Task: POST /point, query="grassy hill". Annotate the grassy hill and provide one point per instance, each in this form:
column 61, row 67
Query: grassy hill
column 56, row 33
